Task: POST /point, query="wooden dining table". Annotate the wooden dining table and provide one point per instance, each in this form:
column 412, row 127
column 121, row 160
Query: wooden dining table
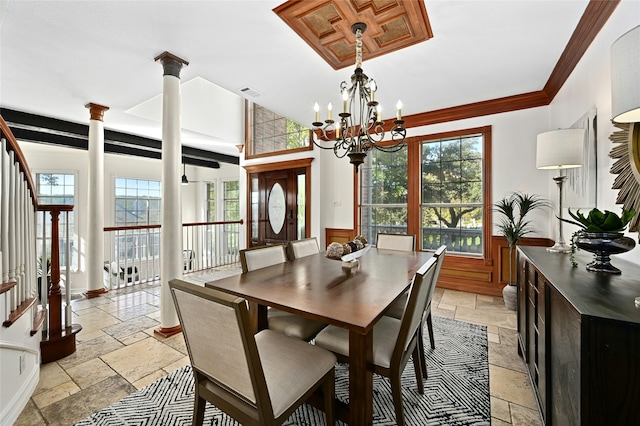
column 322, row 289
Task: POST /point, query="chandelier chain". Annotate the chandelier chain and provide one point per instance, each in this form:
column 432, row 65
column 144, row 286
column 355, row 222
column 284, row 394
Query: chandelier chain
column 353, row 138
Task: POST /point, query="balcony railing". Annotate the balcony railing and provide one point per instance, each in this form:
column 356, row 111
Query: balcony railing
column 457, row 240
column 133, row 252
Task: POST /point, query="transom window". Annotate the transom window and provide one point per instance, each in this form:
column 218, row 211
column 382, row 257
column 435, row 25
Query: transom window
column 272, row 134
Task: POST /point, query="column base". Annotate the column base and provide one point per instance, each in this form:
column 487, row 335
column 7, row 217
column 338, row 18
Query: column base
column 90, row 294
column 57, row 346
column 168, row 331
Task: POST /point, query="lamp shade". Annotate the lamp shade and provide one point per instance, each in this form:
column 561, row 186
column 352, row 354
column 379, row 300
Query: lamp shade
column 560, row 149
column 625, row 77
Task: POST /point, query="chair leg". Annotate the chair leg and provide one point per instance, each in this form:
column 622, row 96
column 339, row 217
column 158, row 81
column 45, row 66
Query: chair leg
column 328, row 391
column 198, row 409
column 417, row 357
column 423, row 355
column 396, row 392
column 430, row 326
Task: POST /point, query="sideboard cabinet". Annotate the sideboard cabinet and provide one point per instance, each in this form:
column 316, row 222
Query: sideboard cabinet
column 579, row 335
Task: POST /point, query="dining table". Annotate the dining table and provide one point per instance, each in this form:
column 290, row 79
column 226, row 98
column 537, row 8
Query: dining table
column 353, row 296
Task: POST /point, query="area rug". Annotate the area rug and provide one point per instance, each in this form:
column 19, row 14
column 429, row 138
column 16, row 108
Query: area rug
column 456, row 392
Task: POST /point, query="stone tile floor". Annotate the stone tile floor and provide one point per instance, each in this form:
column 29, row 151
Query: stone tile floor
column 118, row 353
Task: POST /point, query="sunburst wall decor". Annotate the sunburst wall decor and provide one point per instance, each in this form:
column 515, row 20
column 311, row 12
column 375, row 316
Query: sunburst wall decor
column 626, row 151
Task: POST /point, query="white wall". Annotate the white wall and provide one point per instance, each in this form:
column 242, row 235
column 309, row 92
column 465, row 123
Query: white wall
column 20, row 354
column 47, row 158
column 589, row 86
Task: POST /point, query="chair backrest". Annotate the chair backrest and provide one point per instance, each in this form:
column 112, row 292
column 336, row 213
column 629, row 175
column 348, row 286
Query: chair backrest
column 262, row 256
column 419, row 297
column 302, row 248
column 396, row 242
column 439, row 254
column 216, row 329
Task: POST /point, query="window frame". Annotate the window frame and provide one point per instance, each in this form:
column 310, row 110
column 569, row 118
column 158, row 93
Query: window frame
column 74, row 261
column 414, row 153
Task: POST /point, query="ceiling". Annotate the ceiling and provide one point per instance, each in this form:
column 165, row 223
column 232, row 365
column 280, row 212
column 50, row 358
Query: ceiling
column 57, row 56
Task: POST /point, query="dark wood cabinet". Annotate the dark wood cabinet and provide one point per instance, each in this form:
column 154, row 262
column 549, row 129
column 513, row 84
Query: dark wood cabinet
column 579, row 334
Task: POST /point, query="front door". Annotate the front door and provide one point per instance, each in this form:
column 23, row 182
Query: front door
column 278, row 206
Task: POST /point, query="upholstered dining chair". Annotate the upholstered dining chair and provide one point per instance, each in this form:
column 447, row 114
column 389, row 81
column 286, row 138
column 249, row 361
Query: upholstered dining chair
column 257, row 379
column 397, row 308
column 304, row 247
column 394, row 340
column 402, row 242
column 287, row 323
column 438, row 254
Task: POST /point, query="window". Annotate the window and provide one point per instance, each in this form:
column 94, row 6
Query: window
column 271, row 133
column 451, row 194
column 137, row 202
column 436, row 188
column 211, row 202
column 383, row 194
column 231, row 200
column 231, row 212
column 57, row 188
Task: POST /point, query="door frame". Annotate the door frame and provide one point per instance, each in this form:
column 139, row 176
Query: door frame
column 282, row 165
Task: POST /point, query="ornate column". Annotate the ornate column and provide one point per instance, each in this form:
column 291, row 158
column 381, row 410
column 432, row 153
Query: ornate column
column 95, row 216
column 171, row 217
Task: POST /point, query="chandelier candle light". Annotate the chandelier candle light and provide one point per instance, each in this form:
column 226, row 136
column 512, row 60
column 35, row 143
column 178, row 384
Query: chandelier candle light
column 360, row 127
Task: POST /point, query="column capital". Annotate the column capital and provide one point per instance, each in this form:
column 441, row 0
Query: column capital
column 171, row 63
column 96, row 111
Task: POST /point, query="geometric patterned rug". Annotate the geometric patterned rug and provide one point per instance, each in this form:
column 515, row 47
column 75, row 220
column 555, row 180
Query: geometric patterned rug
column 456, row 392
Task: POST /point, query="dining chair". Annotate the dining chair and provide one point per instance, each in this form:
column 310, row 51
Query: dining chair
column 302, row 248
column 397, row 308
column 287, row 323
column 394, row 340
column 438, row 254
column 402, row 242
column 243, row 374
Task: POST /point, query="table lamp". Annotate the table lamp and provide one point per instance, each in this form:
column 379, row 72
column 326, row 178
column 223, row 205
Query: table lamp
column 625, row 84
column 559, row 150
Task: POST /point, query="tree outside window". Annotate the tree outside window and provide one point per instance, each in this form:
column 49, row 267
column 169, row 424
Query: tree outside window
column 383, row 189
column 451, row 195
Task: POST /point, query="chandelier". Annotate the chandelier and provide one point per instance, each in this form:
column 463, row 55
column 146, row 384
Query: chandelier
column 360, row 127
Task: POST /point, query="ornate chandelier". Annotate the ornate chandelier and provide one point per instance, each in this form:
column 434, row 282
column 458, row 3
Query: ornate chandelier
column 360, row 127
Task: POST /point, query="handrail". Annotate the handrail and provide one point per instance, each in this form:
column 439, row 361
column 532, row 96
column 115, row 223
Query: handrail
column 228, row 222
column 134, row 227
column 132, row 253
column 24, row 167
column 19, row 203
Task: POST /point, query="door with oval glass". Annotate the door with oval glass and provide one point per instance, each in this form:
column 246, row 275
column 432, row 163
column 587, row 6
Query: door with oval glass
column 278, row 206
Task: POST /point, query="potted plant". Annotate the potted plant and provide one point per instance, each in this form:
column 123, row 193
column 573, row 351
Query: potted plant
column 513, row 226
column 600, row 233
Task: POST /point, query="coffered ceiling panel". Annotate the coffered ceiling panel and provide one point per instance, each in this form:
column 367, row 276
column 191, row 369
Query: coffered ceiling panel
column 326, row 26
